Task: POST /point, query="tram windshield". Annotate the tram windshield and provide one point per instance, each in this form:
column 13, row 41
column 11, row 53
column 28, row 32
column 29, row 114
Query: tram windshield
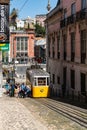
column 41, row 81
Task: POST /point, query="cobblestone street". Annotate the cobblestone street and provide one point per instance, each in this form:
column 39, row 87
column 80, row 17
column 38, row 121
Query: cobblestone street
column 15, row 116
column 28, row 114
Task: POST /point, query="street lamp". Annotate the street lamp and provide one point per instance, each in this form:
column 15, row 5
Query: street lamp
column 48, row 6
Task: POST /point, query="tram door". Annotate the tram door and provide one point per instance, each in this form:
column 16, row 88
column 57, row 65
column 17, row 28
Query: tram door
column 64, row 81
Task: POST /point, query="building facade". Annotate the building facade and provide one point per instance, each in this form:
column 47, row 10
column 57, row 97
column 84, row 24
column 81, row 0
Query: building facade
column 22, row 45
column 40, row 50
column 67, row 47
column 40, row 19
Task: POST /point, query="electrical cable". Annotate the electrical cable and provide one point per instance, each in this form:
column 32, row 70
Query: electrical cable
column 23, row 5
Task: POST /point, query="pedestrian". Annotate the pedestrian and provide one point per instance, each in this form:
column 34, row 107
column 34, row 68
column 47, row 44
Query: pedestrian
column 21, row 92
column 27, row 91
column 7, row 87
column 12, row 90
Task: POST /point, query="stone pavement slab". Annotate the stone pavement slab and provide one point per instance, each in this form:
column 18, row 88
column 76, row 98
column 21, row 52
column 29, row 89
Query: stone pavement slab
column 15, row 116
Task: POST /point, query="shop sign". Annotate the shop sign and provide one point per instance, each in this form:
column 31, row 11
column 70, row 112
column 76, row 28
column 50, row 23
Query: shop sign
column 4, row 23
column 4, row 47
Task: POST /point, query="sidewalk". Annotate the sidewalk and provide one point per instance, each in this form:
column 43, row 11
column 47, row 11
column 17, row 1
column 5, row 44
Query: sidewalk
column 15, row 116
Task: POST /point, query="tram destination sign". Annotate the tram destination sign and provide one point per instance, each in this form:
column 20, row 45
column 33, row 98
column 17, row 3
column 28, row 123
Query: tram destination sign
column 4, row 22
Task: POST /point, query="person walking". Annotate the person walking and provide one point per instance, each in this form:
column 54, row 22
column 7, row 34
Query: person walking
column 21, row 92
column 12, row 90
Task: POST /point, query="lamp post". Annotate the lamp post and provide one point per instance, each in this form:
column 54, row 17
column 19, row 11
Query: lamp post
column 48, row 6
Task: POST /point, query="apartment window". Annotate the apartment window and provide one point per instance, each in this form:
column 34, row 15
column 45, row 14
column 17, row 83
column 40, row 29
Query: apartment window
column 26, row 54
column 83, row 46
column 64, row 76
column 65, row 13
column 83, row 3
column 53, row 46
column 72, row 79
column 22, row 45
column 64, row 46
column 58, row 47
column 25, row 46
column 53, row 78
column 83, row 84
column 73, row 9
column 49, row 46
column 22, row 39
column 58, row 79
column 53, row 52
column 18, row 44
column 26, row 43
column 72, row 46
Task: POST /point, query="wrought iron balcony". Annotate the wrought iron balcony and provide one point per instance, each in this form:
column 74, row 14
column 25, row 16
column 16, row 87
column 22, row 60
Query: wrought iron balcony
column 81, row 15
column 63, row 23
column 71, row 19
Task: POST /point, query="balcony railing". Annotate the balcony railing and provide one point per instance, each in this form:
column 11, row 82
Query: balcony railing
column 63, row 23
column 81, row 15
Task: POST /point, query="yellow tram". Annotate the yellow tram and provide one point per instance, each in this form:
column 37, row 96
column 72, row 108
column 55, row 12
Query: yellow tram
column 38, row 80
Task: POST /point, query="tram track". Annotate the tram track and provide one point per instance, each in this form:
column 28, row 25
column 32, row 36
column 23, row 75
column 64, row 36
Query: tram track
column 73, row 113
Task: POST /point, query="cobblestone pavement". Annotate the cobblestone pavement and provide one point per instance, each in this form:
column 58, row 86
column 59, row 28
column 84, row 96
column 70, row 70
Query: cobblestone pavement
column 15, row 116
column 51, row 119
column 28, row 114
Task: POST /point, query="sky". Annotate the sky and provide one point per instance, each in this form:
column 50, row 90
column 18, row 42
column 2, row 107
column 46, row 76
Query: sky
column 31, row 8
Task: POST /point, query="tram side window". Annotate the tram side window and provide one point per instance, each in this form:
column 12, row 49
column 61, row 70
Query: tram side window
column 41, row 81
column 48, row 81
column 35, row 82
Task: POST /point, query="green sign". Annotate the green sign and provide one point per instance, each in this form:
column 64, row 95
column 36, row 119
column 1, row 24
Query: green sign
column 4, row 47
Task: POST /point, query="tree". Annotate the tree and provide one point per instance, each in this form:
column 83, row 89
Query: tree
column 39, row 30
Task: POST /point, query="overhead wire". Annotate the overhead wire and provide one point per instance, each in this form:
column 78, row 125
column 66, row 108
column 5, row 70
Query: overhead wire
column 23, row 5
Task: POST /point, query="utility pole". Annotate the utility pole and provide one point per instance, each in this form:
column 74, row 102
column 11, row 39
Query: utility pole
column 4, row 34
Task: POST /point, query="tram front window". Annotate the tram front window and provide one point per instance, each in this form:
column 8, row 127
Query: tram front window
column 41, row 81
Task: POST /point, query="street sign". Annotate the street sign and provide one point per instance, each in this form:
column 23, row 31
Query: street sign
column 4, row 47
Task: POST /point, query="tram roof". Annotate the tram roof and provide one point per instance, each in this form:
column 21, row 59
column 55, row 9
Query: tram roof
column 38, row 73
